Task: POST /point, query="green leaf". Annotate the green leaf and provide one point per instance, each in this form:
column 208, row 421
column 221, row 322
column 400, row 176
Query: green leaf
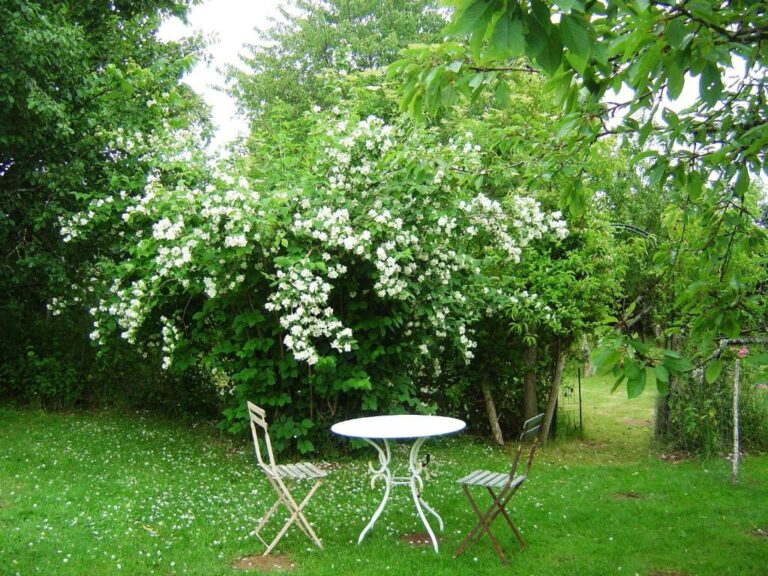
column 575, row 35
column 742, row 181
column 577, row 62
column 567, row 124
column 677, row 365
column 639, row 345
column 760, row 359
column 713, row 371
column 508, row 38
column 643, row 155
column 694, row 185
column 473, row 19
column 605, row 359
column 535, row 37
column 662, row 374
column 552, row 55
column 541, row 12
column 675, row 32
column 710, row 84
column 675, row 78
column 455, row 66
column 305, row 446
column 632, row 369
column 658, row 172
column 502, row 94
column 618, row 382
column 636, row 385
column 662, row 387
column 570, row 5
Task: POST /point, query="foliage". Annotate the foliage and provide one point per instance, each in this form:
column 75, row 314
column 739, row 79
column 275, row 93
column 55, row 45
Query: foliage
column 81, row 83
column 288, row 60
column 706, row 154
column 326, row 289
column 701, row 407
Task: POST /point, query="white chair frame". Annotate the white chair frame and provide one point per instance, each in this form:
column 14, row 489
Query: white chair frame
column 282, row 477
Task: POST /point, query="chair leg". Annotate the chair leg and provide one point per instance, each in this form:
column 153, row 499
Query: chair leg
column 503, row 510
column 483, row 526
column 297, row 516
column 303, row 523
column 265, row 519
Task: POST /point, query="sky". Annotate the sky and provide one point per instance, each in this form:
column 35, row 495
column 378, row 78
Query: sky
column 228, row 25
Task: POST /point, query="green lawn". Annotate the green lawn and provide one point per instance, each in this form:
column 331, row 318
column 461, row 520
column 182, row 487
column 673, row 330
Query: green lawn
column 109, row 494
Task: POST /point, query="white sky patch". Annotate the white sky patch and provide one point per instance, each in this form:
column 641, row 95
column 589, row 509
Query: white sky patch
column 227, row 25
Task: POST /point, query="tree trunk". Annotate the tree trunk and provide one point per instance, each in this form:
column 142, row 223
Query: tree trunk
column 661, row 423
column 530, row 405
column 554, row 390
column 736, row 448
column 661, row 420
column 587, row 364
column 493, row 419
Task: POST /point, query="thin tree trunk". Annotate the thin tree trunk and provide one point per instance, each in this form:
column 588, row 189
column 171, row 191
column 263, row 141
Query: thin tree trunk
column 736, row 449
column 587, row 364
column 554, row 390
column 530, row 405
column 661, row 420
column 490, row 408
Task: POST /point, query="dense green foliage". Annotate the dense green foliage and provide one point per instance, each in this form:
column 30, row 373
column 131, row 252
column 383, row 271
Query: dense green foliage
column 344, row 259
column 289, row 59
column 617, row 68
column 704, row 154
column 82, row 86
column 327, row 291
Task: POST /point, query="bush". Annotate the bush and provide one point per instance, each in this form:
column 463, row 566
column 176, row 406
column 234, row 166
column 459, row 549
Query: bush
column 701, row 414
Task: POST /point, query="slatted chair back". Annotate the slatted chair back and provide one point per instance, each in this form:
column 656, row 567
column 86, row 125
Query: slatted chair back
column 259, row 422
column 531, row 429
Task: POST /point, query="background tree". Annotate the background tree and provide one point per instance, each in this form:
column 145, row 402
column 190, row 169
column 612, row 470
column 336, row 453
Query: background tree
column 706, row 153
column 84, row 86
column 287, row 62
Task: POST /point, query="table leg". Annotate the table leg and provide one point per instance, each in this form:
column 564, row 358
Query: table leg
column 417, row 486
column 383, row 473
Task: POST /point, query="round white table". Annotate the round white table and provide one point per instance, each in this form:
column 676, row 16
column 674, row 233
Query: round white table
column 377, row 431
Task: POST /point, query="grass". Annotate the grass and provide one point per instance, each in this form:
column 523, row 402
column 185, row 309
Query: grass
column 103, row 494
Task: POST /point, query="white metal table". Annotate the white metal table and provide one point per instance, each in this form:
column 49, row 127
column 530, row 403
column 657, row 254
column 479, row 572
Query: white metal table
column 377, row 431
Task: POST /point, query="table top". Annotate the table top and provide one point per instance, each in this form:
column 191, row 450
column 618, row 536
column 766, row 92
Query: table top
column 400, row 426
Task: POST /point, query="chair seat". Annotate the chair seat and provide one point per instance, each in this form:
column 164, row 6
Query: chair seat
column 490, row 479
column 298, row 471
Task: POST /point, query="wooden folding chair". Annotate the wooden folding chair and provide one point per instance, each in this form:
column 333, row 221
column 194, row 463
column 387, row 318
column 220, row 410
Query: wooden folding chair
column 282, row 477
column 501, row 487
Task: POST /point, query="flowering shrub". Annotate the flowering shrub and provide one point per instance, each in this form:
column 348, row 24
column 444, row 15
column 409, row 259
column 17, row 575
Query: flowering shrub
column 327, row 291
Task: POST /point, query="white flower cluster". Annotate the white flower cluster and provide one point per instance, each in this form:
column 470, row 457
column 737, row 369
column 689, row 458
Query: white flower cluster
column 127, row 306
column 170, row 335
column 529, row 222
column 466, row 344
column 71, row 228
column 532, row 303
column 393, row 216
column 302, row 298
column 350, row 157
column 186, row 227
column 333, row 229
column 533, row 223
